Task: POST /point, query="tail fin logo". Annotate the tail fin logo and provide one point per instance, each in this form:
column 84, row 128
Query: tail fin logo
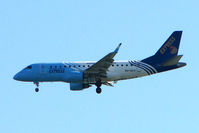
column 167, row 45
column 173, row 50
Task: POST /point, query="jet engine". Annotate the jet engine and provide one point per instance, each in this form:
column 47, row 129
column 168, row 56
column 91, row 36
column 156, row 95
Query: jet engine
column 78, row 86
column 76, row 80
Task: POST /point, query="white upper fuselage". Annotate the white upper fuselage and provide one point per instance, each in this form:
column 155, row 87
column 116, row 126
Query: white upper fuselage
column 119, row 70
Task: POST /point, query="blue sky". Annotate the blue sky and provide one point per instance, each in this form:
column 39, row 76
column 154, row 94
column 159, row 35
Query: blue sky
column 55, row 31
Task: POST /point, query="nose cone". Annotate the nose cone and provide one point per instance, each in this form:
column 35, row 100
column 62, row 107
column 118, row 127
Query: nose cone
column 16, row 77
column 23, row 75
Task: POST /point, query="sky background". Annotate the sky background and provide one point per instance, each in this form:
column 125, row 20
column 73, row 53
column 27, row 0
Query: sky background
column 80, row 30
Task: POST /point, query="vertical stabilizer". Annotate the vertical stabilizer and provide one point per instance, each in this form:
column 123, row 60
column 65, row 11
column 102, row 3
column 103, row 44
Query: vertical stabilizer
column 168, row 50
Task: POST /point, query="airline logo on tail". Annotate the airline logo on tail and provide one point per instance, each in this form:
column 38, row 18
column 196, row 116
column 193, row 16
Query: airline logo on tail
column 173, row 50
column 168, row 45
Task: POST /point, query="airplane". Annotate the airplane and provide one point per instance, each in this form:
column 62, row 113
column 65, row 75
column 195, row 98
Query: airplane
column 106, row 71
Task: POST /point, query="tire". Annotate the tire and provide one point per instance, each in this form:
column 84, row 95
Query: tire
column 36, row 89
column 98, row 90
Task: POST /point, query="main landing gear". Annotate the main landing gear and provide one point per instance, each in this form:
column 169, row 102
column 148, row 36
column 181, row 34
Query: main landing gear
column 98, row 84
column 37, row 84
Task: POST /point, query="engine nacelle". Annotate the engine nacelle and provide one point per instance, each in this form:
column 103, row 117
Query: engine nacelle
column 78, row 86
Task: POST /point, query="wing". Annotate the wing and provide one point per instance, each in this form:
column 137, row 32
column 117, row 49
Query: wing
column 100, row 68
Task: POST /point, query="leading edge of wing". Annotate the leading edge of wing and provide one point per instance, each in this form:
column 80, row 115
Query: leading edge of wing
column 103, row 64
column 118, row 47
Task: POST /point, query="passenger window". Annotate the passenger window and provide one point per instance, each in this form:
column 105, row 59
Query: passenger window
column 113, row 65
column 126, row 64
column 117, row 65
column 122, row 65
column 83, row 65
column 79, row 65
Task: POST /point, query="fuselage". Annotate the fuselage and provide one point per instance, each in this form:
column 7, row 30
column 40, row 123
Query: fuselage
column 51, row 72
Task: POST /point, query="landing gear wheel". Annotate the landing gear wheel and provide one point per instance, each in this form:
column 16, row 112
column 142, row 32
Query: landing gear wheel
column 36, row 89
column 37, row 84
column 98, row 90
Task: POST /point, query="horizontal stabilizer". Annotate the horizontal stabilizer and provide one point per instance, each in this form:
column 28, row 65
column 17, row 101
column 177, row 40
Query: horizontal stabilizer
column 172, row 61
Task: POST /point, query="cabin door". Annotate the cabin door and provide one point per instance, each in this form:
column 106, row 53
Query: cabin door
column 42, row 68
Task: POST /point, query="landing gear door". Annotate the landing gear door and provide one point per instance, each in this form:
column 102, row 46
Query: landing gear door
column 42, row 68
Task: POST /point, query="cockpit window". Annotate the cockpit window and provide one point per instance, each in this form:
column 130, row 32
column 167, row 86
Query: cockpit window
column 29, row 67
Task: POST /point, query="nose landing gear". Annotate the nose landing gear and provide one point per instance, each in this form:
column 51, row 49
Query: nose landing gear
column 37, row 84
column 98, row 84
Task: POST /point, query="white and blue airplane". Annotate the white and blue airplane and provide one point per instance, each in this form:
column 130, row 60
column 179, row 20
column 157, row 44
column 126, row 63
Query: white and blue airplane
column 106, row 71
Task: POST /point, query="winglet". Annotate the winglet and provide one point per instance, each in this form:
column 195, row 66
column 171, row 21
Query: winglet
column 118, row 47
